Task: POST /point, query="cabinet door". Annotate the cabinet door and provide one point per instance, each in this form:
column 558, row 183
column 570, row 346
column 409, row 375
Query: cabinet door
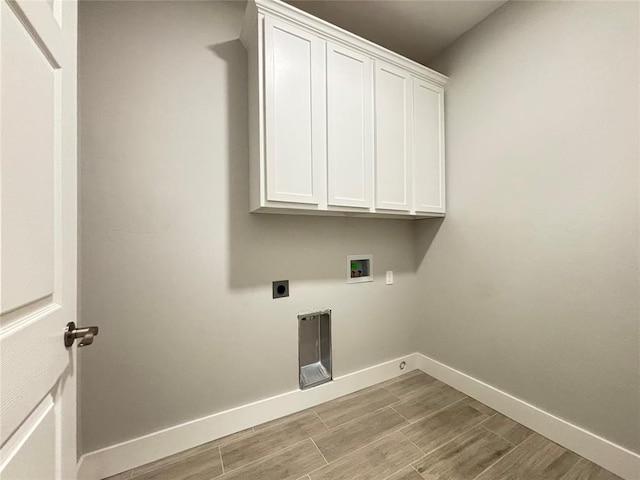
column 428, row 147
column 295, row 114
column 349, row 127
column 393, row 137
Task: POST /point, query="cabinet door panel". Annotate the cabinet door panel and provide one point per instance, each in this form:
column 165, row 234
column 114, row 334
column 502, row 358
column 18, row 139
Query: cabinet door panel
column 294, row 70
column 350, row 127
column 428, row 147
column 393, row 131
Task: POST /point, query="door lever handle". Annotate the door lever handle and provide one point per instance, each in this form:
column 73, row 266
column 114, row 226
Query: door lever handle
column 86, row 335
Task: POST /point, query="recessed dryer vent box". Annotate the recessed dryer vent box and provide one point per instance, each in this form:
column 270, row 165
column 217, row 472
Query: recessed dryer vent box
column 314, row 348
column 359, row 268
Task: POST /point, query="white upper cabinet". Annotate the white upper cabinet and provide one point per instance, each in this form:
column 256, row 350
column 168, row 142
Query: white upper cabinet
column 349, row 127
column 295, row 104
column 428, row 147
column 337, row 124
column 393, row 138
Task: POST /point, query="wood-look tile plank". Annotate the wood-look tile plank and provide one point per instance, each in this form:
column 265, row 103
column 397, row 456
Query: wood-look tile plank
column 409, row 384
column 264, row 442
column 373, row 462
column 472, row 402
column 534, row 459
column 201, row 466
column 120, row 476
column 230, row 438
column 289, row 464
column 585, row 470
column 347, row 408
column 507, row 428
column 427, row 401
column 412, row 373
column 281, row 420
column 406, row 474
column 436, row 430
column 209, row 446
column 466, row 456
column 348, row 437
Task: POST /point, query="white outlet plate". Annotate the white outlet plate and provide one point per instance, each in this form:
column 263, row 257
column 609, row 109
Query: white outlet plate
column 389, row 277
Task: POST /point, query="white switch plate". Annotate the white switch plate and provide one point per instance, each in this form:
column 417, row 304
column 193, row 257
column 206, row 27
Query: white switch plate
column 389, row 277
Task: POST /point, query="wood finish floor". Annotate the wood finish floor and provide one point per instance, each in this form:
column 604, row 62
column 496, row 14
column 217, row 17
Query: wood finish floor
column 413, row 427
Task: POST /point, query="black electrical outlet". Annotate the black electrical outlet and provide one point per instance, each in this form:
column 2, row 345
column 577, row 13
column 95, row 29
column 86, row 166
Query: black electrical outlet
column 280, row 288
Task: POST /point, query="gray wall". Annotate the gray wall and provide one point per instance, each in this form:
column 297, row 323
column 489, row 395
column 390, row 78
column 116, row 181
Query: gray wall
column 531, row 282
column 174, row 269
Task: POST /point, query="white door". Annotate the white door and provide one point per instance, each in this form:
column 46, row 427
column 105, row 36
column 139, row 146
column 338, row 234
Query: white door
column 428, row 147
column 38, row 239
column 349, row 127
column 295, row 114
column 393, row 137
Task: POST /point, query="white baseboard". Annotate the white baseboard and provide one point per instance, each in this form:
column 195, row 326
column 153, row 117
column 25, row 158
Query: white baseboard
column 148, row 448
column 139, row 451
column 614, row 458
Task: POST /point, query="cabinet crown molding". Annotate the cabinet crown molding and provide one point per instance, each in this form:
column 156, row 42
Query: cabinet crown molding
column 327, row 31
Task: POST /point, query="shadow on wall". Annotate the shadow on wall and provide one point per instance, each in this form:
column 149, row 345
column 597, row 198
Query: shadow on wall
column 267, row 247
column 424, row 233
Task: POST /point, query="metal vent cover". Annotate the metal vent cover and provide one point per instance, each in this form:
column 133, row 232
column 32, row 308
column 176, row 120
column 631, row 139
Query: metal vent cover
column 314, row 348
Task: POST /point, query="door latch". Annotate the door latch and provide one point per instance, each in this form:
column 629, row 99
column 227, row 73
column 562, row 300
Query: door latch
column 85, row 334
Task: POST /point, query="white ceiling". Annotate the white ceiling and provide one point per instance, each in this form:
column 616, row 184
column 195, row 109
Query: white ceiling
column 417, row 29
